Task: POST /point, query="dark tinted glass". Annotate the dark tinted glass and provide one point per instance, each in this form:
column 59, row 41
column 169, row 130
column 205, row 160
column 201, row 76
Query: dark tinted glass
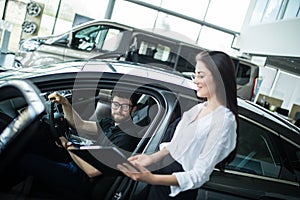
column 256, row 153
column 293, row 154
column 243, row 74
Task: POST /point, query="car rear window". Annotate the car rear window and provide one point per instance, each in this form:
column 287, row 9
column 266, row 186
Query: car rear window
column 243, row 73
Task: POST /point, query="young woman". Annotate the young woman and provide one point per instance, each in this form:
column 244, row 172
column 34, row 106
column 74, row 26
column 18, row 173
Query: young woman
column 205, row 137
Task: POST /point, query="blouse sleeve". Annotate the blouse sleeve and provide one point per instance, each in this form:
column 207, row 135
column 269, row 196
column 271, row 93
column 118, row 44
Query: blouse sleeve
column 215, row 150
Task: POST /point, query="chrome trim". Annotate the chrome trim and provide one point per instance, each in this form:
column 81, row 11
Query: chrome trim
column 271, row 130
column 262, row 177
column 255, row 122
column 290, row 141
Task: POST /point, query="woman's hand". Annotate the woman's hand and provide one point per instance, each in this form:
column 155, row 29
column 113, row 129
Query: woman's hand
column 137, row 172
column 142, row 160
column 136, row 169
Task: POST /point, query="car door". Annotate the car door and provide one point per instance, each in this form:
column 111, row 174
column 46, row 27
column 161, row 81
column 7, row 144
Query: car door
column 259, row 171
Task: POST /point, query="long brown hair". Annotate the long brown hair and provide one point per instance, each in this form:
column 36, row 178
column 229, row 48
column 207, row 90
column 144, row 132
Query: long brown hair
column 226, row 89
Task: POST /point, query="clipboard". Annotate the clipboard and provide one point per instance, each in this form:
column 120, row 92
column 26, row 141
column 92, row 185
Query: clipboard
column 105, row 159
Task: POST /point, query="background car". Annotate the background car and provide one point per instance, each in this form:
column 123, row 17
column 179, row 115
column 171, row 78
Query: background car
column 267, row 164
column 109, row 39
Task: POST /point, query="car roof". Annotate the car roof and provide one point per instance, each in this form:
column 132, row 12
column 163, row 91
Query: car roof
column 101, row 65
column 133, row 69
column 259, row 110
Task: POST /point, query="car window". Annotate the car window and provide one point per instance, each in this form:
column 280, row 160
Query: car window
column 293, row 154
column 162, row 53
column 112, row 40
column 184, row 65
column 256, row 153
column 62, row 40
column 84, row 39
column 243, row 73
column 187, row 61
column 108, row 38
column 155, row 54
column 155, row 51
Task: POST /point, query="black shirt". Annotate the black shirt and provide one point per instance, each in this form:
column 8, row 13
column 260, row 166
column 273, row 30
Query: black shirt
column 124, row 136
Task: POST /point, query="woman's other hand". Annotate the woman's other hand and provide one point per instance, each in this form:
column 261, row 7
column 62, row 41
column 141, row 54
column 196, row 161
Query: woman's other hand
column 137, row 172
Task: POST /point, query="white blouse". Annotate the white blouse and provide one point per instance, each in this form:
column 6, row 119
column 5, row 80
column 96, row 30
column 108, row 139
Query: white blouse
column 198, row 145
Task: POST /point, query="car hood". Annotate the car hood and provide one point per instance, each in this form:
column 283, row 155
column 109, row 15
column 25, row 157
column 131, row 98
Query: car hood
column 29, row 72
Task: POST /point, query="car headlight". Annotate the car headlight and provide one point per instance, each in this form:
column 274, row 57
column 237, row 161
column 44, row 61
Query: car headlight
column 29, row 45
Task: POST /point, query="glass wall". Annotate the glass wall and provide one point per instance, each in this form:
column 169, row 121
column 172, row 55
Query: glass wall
column 267, row 11
column 134, row 15
column 2, row 4
column 229, row 14
column 14, row 15
column 184, row 20
column 57, row 16
column 292, row 9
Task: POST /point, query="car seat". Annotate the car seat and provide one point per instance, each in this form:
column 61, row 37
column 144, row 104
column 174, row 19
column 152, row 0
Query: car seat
column 103, row 105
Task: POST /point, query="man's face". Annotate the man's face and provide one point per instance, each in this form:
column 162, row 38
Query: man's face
column 121, row 109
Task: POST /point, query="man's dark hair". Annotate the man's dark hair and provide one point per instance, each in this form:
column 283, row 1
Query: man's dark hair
column 134, row 97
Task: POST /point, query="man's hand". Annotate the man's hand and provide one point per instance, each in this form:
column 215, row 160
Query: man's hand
column 55, row 97
column 64, row 143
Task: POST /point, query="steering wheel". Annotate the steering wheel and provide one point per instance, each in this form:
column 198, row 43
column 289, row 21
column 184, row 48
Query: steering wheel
column 51, row 121
column 25, row 125
column 57, row 123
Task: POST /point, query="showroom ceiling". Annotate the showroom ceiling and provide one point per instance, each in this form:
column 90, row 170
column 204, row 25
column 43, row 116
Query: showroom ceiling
column 289, row 64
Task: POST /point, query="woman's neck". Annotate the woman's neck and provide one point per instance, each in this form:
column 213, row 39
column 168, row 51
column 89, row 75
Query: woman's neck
column 208, row 108
column 212, row 104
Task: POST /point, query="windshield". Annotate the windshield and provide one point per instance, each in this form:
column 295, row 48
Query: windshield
column 61, row 40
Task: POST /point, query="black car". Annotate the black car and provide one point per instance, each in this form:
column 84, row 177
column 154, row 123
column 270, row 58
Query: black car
column 267, row 164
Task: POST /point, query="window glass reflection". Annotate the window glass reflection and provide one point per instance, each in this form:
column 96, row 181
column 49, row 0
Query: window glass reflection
column 191, row 8
column 226, row 14
column 258, row 11
column 256, row 153
column 131, row 14
column 213, row 39
column 272, row 10
column 177, row 28
column 292, row 10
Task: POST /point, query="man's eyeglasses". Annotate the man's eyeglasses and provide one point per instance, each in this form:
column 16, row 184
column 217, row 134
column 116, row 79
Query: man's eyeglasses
column 115, row 105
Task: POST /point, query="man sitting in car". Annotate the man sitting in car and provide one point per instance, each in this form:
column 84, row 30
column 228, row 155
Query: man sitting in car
column 74, row 179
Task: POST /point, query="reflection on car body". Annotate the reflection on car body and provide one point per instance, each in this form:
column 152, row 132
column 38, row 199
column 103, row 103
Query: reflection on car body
column 267, row 164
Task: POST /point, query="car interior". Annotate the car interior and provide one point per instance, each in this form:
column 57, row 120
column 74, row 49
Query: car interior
column 90, row 104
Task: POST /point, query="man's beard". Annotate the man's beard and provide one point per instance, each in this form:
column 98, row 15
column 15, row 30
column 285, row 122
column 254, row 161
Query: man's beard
column 119, row 118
